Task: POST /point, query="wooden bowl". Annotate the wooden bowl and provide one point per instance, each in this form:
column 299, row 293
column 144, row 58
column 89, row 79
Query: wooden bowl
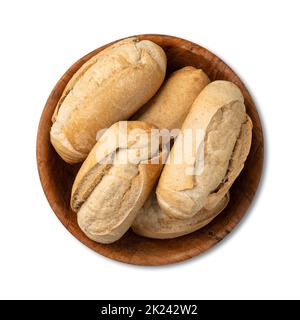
column 57, row 176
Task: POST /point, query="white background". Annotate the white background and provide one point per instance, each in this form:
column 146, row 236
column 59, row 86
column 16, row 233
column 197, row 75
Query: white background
column 40, row 40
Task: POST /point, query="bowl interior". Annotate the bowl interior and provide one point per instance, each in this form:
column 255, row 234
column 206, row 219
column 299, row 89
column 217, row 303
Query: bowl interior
column 57, row 176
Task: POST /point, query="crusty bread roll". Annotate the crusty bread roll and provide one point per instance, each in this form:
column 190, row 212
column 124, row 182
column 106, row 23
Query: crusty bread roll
column 219, row 111
column 115, row 180
column 152, row 222
column 104, row 197
column 167, row 110
column 169, row 107
column 109, row 87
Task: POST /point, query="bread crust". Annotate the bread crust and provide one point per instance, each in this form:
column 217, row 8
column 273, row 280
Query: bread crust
column 111, row 86
column 171, row 104
column 152, row 222
column 108, row 195
column 219, row 112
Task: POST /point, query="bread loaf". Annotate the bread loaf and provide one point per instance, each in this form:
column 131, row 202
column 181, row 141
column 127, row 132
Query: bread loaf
column 99, row 188
column 109, row 87
column 169, row 107
column 167, row 110
column 152, row 222
column 185, row 188
column 115, row 180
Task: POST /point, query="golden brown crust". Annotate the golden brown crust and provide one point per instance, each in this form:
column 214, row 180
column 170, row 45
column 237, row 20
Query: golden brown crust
column 107, row 196
column 110, row 87
column 171, row 104
column 152, row 222
column 219, row 112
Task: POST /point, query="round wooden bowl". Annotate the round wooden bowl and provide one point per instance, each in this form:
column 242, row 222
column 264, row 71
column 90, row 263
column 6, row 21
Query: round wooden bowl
column 57, row 176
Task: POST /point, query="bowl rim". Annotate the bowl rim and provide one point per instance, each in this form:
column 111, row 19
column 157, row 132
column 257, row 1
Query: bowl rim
column 188, row 45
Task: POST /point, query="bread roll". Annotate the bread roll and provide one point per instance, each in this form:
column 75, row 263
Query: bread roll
column 169, row 107
column 108, row 191
column 219, row 111
column 105, row 197
column 167, row 110
column 152, row 222
column 109, row 87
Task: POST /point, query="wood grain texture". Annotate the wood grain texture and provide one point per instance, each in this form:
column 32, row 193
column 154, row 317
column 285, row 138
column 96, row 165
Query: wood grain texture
column 57, row 176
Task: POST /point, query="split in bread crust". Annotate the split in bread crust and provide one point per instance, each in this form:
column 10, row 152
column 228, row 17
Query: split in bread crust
column 109, row 87
column 108, row 193
column 219, row 112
